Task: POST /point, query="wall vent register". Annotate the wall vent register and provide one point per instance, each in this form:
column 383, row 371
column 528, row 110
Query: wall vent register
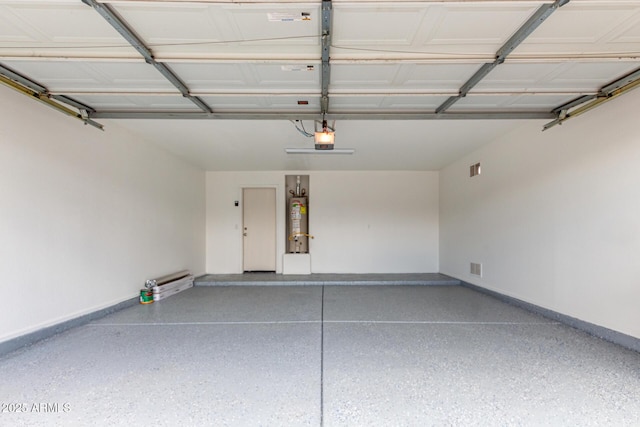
column 476, row 269
column 474, row 170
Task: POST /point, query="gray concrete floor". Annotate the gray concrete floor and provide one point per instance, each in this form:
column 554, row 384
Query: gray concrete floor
column 273, row 279
column 321, row 355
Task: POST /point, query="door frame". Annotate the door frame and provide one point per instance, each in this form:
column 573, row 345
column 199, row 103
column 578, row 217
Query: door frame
column 278, row 225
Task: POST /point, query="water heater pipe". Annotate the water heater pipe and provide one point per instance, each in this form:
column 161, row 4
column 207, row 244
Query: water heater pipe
column 295, row 235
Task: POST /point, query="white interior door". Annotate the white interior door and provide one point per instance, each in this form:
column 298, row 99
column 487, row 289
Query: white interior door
column 259, row 229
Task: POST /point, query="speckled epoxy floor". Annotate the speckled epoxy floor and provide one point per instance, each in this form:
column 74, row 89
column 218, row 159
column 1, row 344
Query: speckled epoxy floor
column 321, row 355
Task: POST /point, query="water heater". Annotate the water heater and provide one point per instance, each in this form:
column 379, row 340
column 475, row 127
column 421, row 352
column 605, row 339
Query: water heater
column 297, row 214
column 298, row 228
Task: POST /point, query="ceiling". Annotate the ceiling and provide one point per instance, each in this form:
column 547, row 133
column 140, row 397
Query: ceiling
column 411, row 85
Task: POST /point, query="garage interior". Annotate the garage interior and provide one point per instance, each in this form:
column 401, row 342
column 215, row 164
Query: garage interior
column 470, row 250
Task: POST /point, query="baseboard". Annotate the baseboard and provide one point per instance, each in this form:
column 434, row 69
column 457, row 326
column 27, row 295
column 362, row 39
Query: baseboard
column 627, row 341
column 44, row 333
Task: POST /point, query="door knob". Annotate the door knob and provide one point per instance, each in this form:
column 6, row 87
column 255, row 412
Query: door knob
column 244, row 234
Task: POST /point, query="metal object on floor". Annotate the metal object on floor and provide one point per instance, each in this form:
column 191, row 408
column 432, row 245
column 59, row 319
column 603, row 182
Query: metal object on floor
column 170, row 284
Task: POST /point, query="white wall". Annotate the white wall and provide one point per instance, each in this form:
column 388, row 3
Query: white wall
column 554, row 217
column 86, row 216
column 363, row 222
